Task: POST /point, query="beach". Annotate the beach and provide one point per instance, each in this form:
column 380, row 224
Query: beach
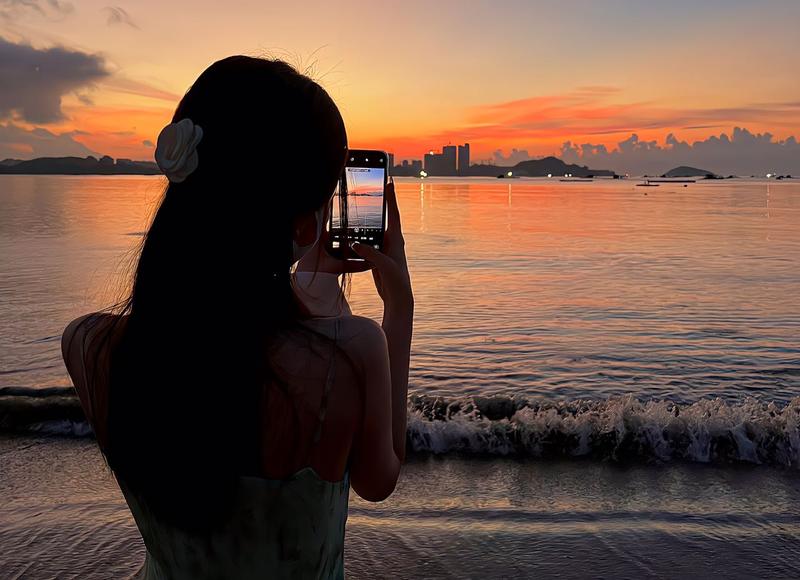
column 450, row 517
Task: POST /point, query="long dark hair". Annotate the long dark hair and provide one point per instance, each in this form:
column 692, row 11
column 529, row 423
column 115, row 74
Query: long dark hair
column 212, row 286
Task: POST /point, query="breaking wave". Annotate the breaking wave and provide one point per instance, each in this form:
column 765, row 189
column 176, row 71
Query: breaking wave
column 615, row 428
column 618, row 428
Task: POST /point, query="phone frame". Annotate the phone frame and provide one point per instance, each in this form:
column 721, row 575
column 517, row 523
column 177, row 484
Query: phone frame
column 368, row 159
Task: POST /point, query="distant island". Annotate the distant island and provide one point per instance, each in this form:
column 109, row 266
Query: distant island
column 541, row 168
column 530, row 168
column 89, row 165
column 686, row 171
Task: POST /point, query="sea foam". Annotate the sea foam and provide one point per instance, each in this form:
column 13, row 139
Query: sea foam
column 615, row 428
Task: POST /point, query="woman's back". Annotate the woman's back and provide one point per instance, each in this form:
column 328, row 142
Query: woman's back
column 282, row 527
column 287, row 521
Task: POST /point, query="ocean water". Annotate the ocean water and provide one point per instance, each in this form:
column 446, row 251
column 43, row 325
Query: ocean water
column 552, row 318
column 576, row 336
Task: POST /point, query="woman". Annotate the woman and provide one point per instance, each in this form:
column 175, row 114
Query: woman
column 234, row 413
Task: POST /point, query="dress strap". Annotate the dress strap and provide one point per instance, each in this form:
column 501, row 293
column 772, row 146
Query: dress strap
column 323, row 406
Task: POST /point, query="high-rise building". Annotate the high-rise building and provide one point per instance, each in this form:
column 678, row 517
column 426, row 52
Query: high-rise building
column 433, row 163
column 443, row 163
column 449, row 159
column 391, row 161
column 463, row 159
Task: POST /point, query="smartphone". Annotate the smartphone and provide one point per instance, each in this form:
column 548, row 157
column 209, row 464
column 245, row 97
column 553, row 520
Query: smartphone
column 358, row 212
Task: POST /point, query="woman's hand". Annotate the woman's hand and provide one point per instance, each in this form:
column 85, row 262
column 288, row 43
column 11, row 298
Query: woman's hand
column 390, row 268
column 317, row 259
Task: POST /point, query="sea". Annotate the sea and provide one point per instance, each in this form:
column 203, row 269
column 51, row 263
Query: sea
column 605, row 380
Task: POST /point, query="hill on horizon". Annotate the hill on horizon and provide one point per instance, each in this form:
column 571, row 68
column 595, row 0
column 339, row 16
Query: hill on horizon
column 687, row 171
column 88, row 165
column 540, row 168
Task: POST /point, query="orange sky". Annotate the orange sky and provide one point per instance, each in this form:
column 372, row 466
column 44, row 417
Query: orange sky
column 411, row 77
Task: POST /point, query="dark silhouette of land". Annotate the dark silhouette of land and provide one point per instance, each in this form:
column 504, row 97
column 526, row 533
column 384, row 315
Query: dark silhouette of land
column 530, row 168
column 78, row 166
column 108, row 166
column 686, row 171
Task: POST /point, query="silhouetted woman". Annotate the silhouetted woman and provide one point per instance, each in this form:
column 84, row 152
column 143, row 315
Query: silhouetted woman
column 236, row 400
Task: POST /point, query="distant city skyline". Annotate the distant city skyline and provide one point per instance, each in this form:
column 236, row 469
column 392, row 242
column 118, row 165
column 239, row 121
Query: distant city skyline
column 739, row 152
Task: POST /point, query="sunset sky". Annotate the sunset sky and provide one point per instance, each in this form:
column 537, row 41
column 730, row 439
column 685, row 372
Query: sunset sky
column 409, row 76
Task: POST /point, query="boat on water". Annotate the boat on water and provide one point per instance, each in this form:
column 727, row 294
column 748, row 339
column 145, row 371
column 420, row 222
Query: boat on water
column 647, row 183
column 667, row 180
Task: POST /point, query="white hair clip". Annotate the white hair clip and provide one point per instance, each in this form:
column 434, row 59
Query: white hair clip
column 176, row 149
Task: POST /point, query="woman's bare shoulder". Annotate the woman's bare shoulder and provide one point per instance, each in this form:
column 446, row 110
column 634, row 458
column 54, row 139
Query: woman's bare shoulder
column 363, row 339
column 79, row 332
column 87, row 326
column 359, row 336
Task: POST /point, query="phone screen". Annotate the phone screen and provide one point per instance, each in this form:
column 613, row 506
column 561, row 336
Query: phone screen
column 358, row 210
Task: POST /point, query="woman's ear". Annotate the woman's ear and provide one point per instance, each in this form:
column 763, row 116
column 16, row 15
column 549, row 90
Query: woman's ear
column 304, row 231
column 326, row 212
column 306, row 226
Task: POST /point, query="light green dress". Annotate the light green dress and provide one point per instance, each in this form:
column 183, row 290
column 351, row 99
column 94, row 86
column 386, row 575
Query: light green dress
column 289, row 528
column 277, row 528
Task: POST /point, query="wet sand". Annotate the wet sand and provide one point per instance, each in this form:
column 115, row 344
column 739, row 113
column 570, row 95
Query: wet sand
column 61, row 514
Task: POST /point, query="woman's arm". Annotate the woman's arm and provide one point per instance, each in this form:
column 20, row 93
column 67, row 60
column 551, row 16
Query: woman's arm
column 397, row 326
column 72, row 351
column 392, row 280
column 375, row 464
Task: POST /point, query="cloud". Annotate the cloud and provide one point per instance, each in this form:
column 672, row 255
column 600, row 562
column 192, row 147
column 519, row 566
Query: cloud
column 118, row 15
column 513, row 158
column 49, row 9
column 606, row 130
column 20, row 143
column 740, row 153
column 148, row 143
column 35, row 80
column 598, row 111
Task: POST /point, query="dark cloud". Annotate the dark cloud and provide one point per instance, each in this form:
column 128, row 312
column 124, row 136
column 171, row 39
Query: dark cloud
column 118, row 15
column 147, row 143
column 20, row 143
column 512, row 158
column 740, row 153
column 50, row 9
column 34, row 80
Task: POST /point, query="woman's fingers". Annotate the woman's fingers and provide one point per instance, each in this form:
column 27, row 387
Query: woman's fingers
column 371, row 255
column 354, row 266
column 319, row 260
column 392, row 209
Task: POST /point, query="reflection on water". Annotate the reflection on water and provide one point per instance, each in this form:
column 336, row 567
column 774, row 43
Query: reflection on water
column 536, row 287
